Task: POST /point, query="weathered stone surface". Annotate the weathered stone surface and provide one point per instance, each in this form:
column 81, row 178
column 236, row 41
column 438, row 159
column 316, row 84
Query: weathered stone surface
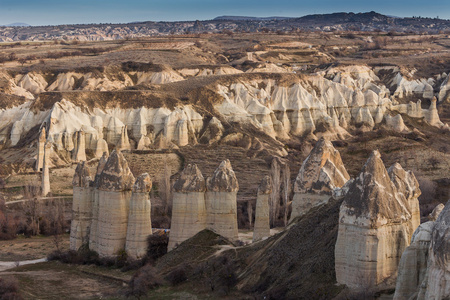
column 191, row 180
column 139, row 218
column 322, row 172
column 373, row 217
column 116, row 175
column 83, row 194
column 124, row 141
column 221, row 203
column 438, row 273
column 413, row 264
column 114, row 193
column 94, row 223
column 223, row 179
column 101, row 147
column 436, row 212
column 40, row 150
column 45, row 184
column 79, row 153
column 262, row 220
column 188, row 206
column 406, row 184
column 395, row 123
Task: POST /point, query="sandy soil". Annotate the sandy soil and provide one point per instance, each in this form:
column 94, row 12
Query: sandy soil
column 23, row 248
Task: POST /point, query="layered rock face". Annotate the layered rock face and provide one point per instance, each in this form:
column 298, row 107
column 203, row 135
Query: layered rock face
column 79, row 152
column 94, row 224
column 322, row 172
column 373, row 217
column 413, row 264
column 406, row 184
column 188, row 206
column 326, row 104
column 262, row 220
column 139, row 218
column 114, row 193
column 424, row 271
column 438, row 272
column 83, row 193
column 45, row 184
column 221, row 204
column 101, row 148
column 40, row 150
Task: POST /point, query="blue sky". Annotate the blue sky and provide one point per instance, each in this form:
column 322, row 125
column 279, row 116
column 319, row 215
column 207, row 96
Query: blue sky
column 50, row 12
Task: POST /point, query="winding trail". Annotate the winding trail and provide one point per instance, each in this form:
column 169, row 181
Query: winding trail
column 6, row 265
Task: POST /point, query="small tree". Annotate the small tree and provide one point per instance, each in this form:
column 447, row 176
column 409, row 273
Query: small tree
column 22, row 61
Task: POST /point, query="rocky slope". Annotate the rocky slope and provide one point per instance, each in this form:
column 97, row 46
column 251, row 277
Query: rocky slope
column 176, row 111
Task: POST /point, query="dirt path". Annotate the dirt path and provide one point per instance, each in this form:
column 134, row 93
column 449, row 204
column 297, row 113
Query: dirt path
column 6, row 265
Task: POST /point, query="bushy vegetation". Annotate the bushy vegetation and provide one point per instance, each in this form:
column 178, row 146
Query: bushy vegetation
column 9, row 289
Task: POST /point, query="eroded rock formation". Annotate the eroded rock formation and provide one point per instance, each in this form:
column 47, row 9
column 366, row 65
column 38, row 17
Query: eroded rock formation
column 188, row 206
column 424, row 268
column 221, row 204
column 262, row 219
column 114, row 193
column 139, row 218
column 438, row 269
column 321, row 173
column 94, row 224
column 45, row 183
column 83, row 193
column 40, row 150
column 374, row 215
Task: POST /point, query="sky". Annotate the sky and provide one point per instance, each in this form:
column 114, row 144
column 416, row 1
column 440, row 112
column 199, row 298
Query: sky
column 53, row 12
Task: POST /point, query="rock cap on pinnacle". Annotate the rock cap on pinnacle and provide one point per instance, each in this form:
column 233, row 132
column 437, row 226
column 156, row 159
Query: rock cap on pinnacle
column 440, row 240
column 373, row 197
column 116, row 175
column 101, row 165
column 82, row 176
column 143, row 184
column 223, row 179
column 404, row 181
column 191, row 180
column 265, row 186
column 322, row 171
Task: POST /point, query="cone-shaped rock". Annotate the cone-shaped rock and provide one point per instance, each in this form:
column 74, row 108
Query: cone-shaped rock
column 45, row 184
column 40, row 150
column 221, row 205
column 262, row 220
column 438, row 272
column 139, row 218
column 188, row 206
column 321, row 173
column 372, row 219
column 406, row 184
column 114, row 193
column 83, row 194
column 101, row 148
column 94, row 224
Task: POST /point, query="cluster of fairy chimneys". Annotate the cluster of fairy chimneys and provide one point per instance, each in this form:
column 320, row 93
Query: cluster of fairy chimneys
column 379, row 217
column 112, row 211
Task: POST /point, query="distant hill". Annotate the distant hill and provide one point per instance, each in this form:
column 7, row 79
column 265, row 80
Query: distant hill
column 340, row 21
column 18, row 25
column 246, row 18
